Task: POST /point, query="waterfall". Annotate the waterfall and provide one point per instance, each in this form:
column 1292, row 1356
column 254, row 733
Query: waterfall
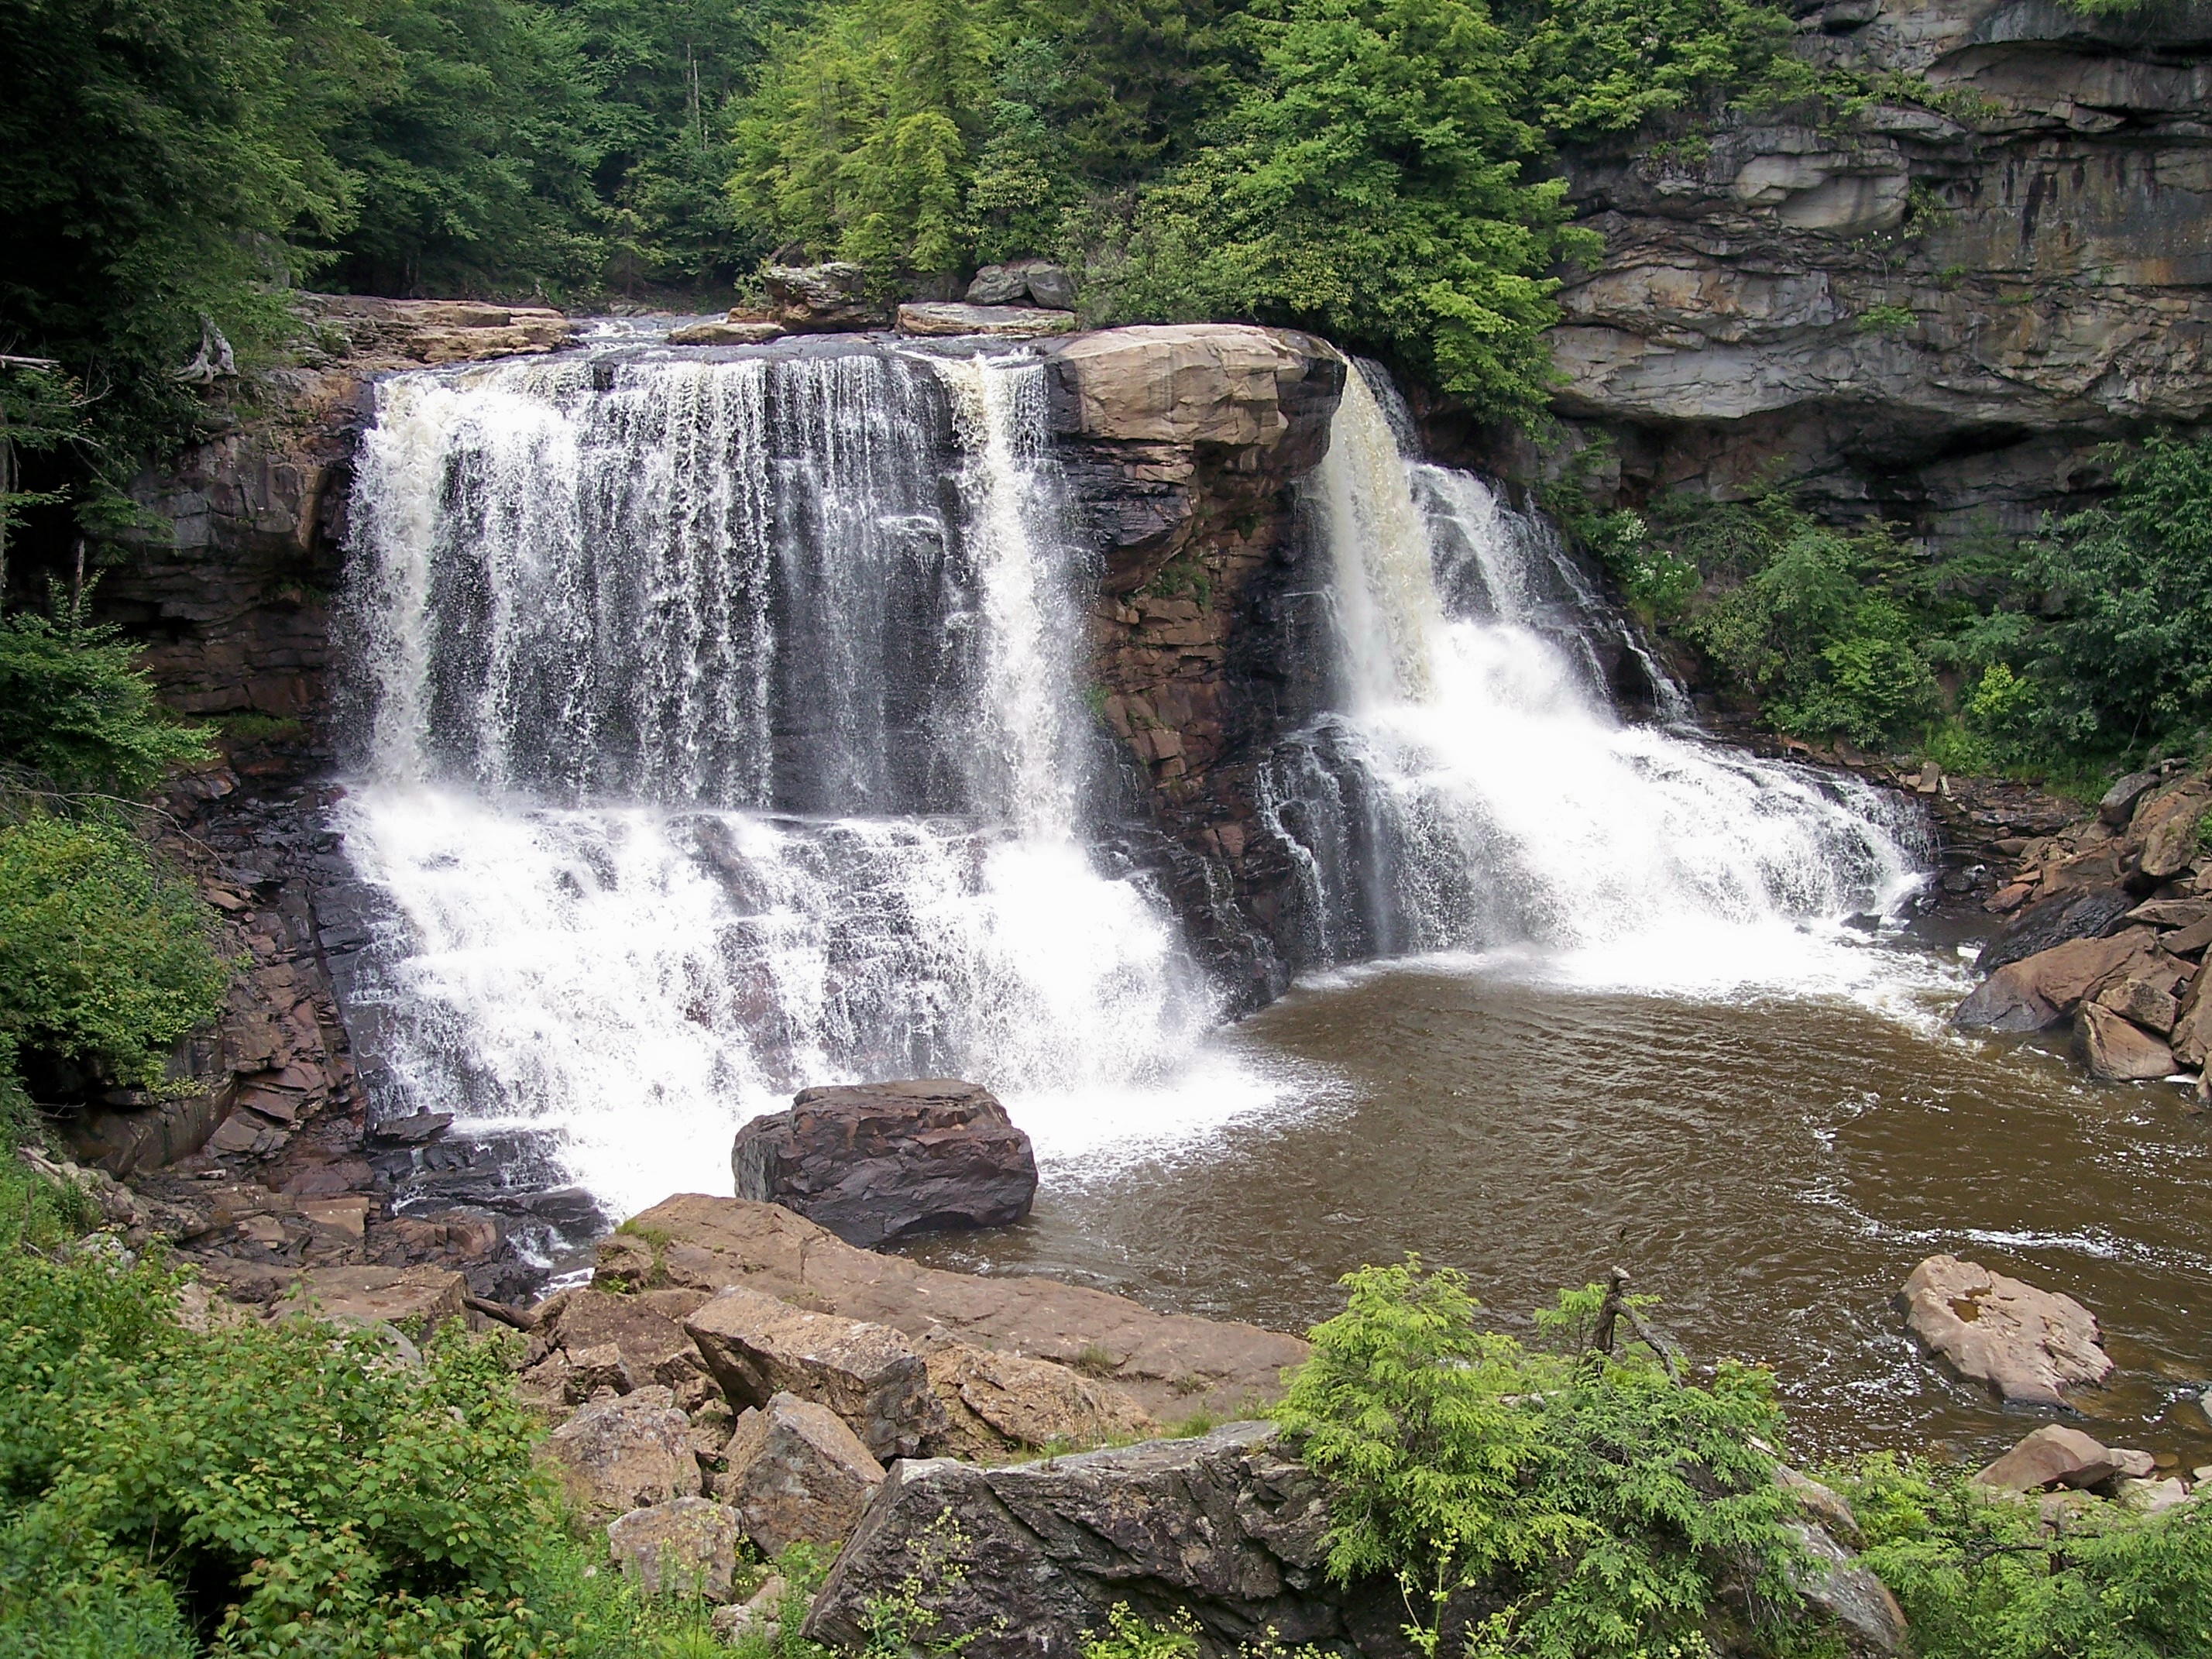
column 717, row 734
column 1474, row 789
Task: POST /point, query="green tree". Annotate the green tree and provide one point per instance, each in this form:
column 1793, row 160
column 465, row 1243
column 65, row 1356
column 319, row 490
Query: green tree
column 1586, row 67
column 1376, row 185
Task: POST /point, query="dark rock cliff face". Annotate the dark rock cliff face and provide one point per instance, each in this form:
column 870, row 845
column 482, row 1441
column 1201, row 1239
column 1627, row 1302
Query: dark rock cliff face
column 1936, row 317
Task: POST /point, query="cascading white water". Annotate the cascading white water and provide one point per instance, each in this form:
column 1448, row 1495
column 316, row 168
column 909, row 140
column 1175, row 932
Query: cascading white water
column 1476, row 791
column 720, row 740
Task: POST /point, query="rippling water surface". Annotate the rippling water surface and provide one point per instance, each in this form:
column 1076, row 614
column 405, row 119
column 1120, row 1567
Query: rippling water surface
column 1771, row 1169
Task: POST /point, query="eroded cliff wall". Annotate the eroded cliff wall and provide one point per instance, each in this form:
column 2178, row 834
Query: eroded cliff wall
column 1937, row 309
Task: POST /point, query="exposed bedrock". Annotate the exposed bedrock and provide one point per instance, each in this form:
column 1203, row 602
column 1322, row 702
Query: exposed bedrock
column 1933, row 316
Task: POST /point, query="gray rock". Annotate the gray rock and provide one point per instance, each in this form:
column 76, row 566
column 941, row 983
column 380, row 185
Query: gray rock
column 943, row 317
column 627, row 1453
column 1223, row 1525
column 797, row 1476
column 1835, row 1582
column 725, row 333
column 686, row 1546
column 2118, row 804
column 757, row 1347
column 879, row 1162
column 825, row 299
column 761, row 1615
column 1002, row 285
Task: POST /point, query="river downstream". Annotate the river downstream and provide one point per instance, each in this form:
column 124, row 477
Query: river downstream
column 1771, row 1169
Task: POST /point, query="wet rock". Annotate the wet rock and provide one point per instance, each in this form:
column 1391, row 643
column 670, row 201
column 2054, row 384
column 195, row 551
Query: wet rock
column 2143, row 1002
column 1837, row 1584
column 414, row 1130
column 725, row 333
column 630, row 1452
column 370, row 1295
column 870, row 1375
column 2029, row 1346
column 2115, row 1051
column 2042, row 990
column 2192, row 1037
column 997, row 1402
column 2118, row 803
column 686, row 1546
column 1004, row 322
column 797, row 1474
column 1170, row 1363
column 2055, row 922
column 1223, row 1525
column 879, row 1162
column 2054, row 1456
column 825, row 299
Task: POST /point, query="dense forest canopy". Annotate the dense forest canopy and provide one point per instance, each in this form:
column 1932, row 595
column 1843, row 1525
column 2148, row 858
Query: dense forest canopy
column 1385, row 172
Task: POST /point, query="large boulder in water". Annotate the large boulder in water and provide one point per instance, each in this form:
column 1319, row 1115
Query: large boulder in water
column 1227, row 384
column 2029, row 1346
column 877, row 1162
column 2043, row 989
column 2117, row 1051
column 2068, row 916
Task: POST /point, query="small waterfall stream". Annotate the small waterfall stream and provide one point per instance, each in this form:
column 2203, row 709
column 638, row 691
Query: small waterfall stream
column 1474, row 789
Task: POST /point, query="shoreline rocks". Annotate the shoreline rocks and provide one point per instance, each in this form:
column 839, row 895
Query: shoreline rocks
column 2028, row 1346
column 876, row 1163
column 1171, row 1364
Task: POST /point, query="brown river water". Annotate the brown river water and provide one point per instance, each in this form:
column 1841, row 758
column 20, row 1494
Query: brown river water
column 1771, row 1169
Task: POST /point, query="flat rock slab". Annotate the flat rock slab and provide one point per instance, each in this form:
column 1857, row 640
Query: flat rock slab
column 1003, row 322
column 2056, row 921
column 879, row 1162
column 757, row 1347
column 2029, row 1346
column 1172, row 1364
column 2042, row 990
column 374, row 1295
column 721, row 334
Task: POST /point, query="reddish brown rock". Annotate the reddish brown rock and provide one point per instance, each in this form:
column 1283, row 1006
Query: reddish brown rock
column 2029, row 1346
column 624, row 1454
column 797, row 1474
column 2115, row 1051
column 877, row 1162
column 2054, row 1456
column 1001, row 1402
column 1172, row 1364
column 2192, row 1027
column 2043, row 989
column 757, row 1347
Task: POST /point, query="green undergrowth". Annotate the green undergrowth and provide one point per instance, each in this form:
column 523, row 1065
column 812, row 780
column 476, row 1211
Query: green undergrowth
column 2063, row 657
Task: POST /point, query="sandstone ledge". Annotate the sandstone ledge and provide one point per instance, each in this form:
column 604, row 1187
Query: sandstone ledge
column 1172, row 1364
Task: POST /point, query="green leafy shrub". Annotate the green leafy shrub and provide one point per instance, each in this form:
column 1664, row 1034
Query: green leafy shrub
column 104, row 962
column 277, row 1489
column 1980, row 1577
column 1602, row 1508
column 77, row 711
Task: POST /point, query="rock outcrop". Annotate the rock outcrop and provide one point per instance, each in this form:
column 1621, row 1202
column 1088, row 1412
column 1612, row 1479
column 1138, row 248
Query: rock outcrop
column 946, row 319
column 687, row 1546
column 826, row 299
column 1937, row 310
column 1171, row 1364
column 877, row 1162
column 1223, row 1527
column 630, row 1451
column 2027, row 1346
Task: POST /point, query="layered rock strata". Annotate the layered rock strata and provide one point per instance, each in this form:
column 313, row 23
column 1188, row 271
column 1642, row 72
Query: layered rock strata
column 1936, row 309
